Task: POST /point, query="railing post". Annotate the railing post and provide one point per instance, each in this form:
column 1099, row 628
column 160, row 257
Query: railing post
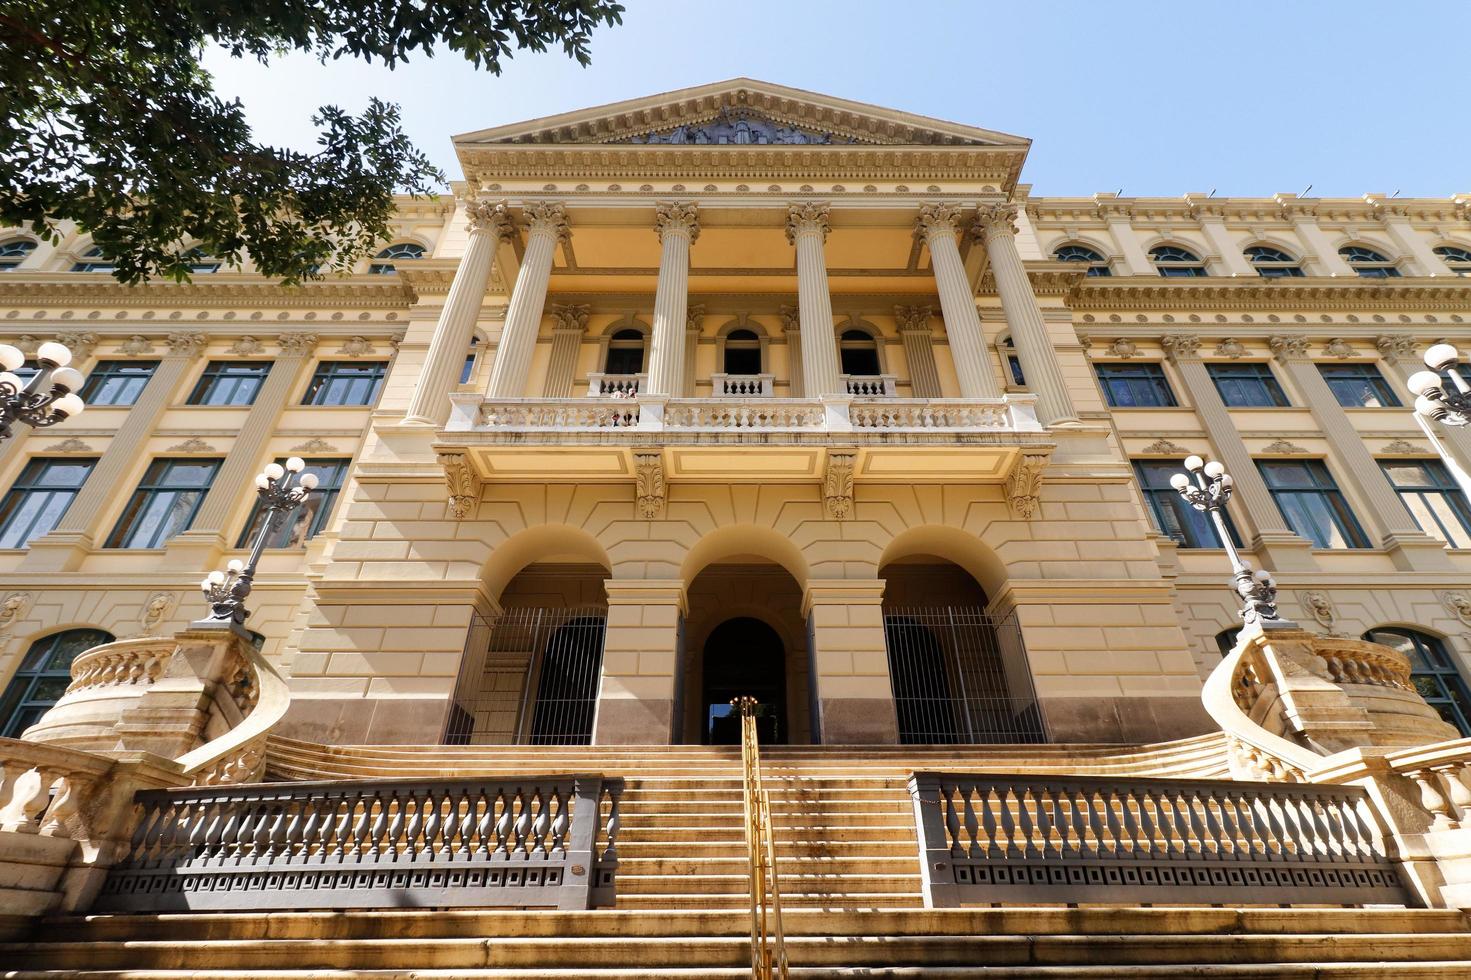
column 587, row 792
column 936, row 873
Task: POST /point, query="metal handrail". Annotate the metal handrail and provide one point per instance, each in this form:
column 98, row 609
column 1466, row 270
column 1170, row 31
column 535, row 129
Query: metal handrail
column 768, row 942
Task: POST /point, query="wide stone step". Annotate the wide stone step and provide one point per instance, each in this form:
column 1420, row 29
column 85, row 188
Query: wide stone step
column 733, row 951
column 847, row 901
column 683, row 831
column 740, row 883
column 1262, row 971
column 736, row 846
column 804, row 864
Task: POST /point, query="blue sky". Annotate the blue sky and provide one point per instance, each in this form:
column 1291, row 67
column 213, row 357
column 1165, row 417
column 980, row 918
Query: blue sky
column 1149, row 98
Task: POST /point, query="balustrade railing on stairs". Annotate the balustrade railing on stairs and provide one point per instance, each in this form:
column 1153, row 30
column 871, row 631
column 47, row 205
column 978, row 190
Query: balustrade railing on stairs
column 531, row 842
column 768, row 941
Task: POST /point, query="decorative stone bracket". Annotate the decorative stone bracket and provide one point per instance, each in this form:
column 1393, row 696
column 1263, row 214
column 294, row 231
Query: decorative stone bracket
column 837, row 484
column 649, row 486
column 463, row 483
column 1024, row 485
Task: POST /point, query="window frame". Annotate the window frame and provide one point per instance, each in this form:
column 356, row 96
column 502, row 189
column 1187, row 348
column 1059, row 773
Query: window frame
column 327, row 493
column 325, row 381
column 858, row 341
column 1427, row 653
column 1185, row 265
column 17, row 699
column 1371, row 264
column 1280, row 265
column 1193, row 525
column 1440, row 483
column 152, row 486
column 1370, row 375
column 234, row 372
column 623, row 340
column 1288, row 500
column 1150, row 371
column 1098, row 264
column 27, row 486
column 118, row 369
column 15, row 251
column 1460, row 264
column 1263, row 376
column 408, row 250
column 94, row 252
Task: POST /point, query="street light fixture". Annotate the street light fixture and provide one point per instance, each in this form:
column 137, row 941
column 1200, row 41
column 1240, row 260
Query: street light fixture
column 48, row 398
column 226, row 591
column 1432, row 400
column 1207, row 487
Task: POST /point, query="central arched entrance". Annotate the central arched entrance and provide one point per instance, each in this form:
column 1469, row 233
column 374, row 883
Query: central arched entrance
column 743, row 657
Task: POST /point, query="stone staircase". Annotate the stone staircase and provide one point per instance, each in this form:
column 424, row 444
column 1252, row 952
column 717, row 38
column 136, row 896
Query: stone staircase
column 847, row 858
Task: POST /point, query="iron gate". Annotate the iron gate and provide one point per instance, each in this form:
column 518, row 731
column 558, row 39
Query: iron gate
column 960, row 675
column 529, row 677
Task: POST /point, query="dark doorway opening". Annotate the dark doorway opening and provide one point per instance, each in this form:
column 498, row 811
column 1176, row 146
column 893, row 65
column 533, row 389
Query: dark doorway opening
column 744, row 658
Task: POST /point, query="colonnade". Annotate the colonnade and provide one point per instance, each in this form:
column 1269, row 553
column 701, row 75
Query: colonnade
column 807, row 226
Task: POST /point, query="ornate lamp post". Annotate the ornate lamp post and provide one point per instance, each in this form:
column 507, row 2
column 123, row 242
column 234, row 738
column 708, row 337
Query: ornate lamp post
column 226, row 591
column 48, row 398
column 1431, row 398
column 1207, row 487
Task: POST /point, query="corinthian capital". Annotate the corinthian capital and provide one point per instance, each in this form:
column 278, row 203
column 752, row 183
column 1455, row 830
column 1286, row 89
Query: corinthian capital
column 490, row 218
column 937, row 219
column 678, row 218
column 185, row 344
column 297, row 344
column 1288, row 346
column 571, row 317
column 995, row 219
column 807, row 219
column 547, row 216
column 1180, row 346
column 1392, row 348
column 914, row 317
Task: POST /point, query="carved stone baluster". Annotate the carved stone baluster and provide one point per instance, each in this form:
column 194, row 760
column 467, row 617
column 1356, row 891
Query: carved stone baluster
column 1110, row 802
column 1432, row 799
column 1148, row 826
column 523, row 820
column 1330, row 831
column 988, row 819
column 1299, row 838
column 539, row 824
column 952, row 819
column 1236, row 832
column 1079, row 821
column 1005, row 799
column 433, row 822
column 408, row 843
column 1045, row 804
column 559, row 823
column 1460, row 793
column 972, row 825
column 502, row 823
column 142, row 839
column 610, row 853
column 380, row 828
column 1096, row 823
column 1279, row 847
column 27, row 799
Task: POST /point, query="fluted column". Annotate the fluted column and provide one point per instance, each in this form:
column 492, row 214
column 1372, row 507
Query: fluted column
column 807, row 228
column 566, row 343
column 937, row 225
column 546, row 226
column 919, row 349
column 694, row 325
column 791, row 329
column 489, row 224
column 1398, row 530
column 997, row 226
column 678, row 226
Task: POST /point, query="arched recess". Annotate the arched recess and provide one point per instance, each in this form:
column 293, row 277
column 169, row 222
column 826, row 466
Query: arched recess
column 953, row 544
column 1433, row 670
column 743, row 334
column 620, row 332
column 547, row 544
column 743, row 542
column 858, row 341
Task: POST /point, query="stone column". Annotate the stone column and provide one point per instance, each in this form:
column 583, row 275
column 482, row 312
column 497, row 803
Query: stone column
column 694, row 325
column 791, row 328
column 236, row 476
column 997, row 227
column 1286, row 549
column 489, row 224
column 547, row 225
column 919, row 349
column 1411, row 547
column 678, row 226
column 79, row 530
column 849, row 662
column 638, row 692
column 937, row 225
column 1320, row 257
column 807, row 228
column 566, row 343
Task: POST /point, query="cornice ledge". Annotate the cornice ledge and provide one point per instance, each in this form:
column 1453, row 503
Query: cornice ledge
column 358, row 290
column 1150, row 293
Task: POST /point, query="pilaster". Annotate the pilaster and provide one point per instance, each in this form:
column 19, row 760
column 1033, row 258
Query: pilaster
column 851, row 690
column 639, row 688
column 919, row 349
column 567, row 338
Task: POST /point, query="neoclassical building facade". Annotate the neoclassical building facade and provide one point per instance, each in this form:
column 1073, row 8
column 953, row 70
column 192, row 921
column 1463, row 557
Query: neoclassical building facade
column 741, row 389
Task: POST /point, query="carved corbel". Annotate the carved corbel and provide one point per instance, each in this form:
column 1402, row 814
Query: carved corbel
column 1024, row 485
column 837, row 484
column 463, row 483
column 649, row 489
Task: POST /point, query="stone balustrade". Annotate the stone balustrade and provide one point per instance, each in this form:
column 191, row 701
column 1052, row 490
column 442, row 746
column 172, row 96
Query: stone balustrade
column 600, row 385
column 870, row 385
column 743, row 385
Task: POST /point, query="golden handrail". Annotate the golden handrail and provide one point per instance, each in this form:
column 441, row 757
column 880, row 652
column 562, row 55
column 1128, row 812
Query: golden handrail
column 768, row 943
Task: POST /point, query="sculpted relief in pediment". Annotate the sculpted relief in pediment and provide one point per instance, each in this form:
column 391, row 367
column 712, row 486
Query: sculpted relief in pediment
column 737, row 128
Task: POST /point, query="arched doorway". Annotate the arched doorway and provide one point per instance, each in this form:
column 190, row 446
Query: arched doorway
column 743, row 657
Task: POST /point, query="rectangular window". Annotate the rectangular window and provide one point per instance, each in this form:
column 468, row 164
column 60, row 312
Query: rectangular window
column 45, row 489
column 1135, row 385
column 346, row 383
column 293, row 530
column 230, row 383
column 1432, row 497
column 1247, row 384
column 1312, row 503
column 117, row 382
column 164, row 503
column 1359, row 386
column 1172, row 515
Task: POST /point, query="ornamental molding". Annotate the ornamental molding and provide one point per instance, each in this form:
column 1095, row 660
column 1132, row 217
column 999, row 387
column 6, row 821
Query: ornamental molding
column 1320, row 296
column 1403, row 447
column 695, row 317
column 314, row 446
column 1340, row 348
column 937, row 219
column 1287, row 347
column 490, row 217
column 1123, row 347
column 571, row 317
column 1164, row 447
column 135, row 346
column 914, row 319
column 80, row 344
column 1283, row 448
column 547, row 216
column 463, row 483
column 677, row 217
column 1180, row 346
column 1320, row 607
column 1024, row 485
column 1459, row 605
column 246, row 347
column 1230, row 347
column 186, row 344
column 837, row 484
column 192, row 445
column 12, row 608
column 28, row 345
column 356, row 347
column 240, row 291
column 156, row 609
column 650, row 493
column 72, row 445
column 994, row 220
column 297, row 344
column 431, row 277
column 1394, row 347
column 807, row 219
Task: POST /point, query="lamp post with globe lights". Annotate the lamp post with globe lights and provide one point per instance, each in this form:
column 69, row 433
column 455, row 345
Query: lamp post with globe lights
column 227, row 591
column 1207, row 488
column 48, row 398
column 1432, row 400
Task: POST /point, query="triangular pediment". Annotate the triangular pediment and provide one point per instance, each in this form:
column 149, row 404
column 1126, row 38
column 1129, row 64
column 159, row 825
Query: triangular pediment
column 740, row 112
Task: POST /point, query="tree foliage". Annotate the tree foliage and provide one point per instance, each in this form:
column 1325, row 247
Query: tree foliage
column 108, row 119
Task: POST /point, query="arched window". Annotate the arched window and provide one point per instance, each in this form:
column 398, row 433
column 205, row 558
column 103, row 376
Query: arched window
column 742, row 352
column 92, row 260
column 1459, row 259
column 1273, row 263
column 43, row 677
column 1368, row 263
column 201, row 262
column 14, row 252
column 1432, row 672
column 401, row 250
column 625, row 353
column 1097, row 264
column 859, row 354
column 1013, row 362
column 1172, row 261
